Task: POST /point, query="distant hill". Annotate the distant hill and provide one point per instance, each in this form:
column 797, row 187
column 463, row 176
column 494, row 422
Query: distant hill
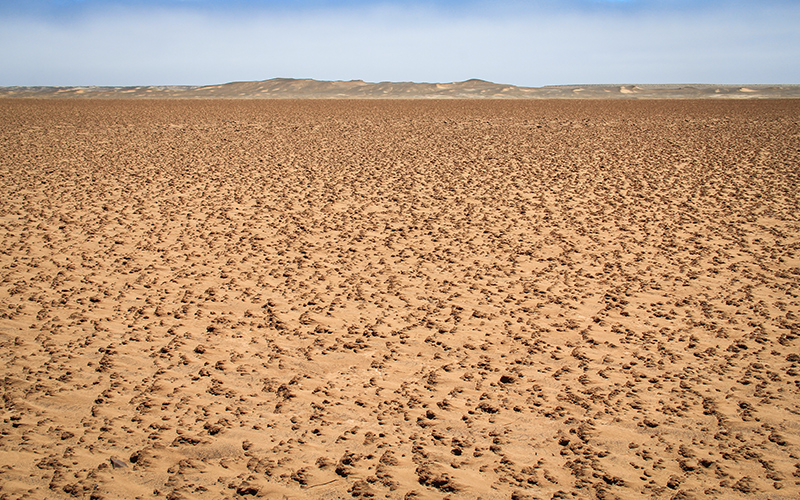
column 288, row 88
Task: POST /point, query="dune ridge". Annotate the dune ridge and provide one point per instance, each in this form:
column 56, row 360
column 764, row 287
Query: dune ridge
column 290, row 88
column 399, row 299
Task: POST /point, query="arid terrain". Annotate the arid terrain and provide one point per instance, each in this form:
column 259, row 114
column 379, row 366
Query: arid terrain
column 400, row 299
column 293, row 88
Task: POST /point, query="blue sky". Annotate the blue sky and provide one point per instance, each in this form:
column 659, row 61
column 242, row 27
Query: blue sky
column 532, row 43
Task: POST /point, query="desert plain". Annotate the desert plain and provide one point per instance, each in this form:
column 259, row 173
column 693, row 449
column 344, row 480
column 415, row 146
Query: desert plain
column 399, row 299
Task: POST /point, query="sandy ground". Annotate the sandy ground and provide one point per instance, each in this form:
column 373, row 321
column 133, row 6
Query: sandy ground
column 332, row 299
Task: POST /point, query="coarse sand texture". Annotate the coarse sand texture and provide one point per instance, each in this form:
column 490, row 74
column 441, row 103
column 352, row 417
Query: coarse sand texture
column 399, row 299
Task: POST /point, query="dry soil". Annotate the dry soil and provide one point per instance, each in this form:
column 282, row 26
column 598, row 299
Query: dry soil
column 399, row 299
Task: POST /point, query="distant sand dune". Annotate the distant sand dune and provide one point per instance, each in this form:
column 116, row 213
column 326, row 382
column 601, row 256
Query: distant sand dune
column 288, row 88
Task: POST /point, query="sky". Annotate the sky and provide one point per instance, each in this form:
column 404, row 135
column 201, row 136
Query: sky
column 527, row 43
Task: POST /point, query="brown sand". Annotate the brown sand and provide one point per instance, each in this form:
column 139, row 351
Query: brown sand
column 396, row 299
